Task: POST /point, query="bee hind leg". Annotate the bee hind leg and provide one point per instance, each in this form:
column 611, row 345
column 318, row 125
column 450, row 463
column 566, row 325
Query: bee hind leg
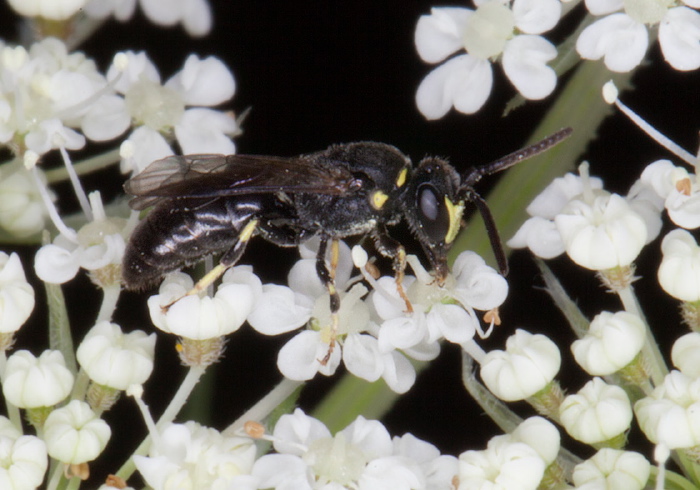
column 228, row 260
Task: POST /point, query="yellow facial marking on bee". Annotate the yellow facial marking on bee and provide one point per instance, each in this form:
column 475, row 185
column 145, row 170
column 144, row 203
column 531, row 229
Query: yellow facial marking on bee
column 377, row 199
column 401, row 180
column 455, row 211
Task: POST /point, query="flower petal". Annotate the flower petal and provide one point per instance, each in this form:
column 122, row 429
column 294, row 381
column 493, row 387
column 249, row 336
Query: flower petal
column 525, row 63
column 463, row 82
column 679, row 36
column 439, row 34
column 622, row 41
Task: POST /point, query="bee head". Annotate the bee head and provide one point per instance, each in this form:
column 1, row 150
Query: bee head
column 433, row 208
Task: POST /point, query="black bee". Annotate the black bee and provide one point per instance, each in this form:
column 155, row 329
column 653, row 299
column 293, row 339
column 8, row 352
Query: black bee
column 210, row 204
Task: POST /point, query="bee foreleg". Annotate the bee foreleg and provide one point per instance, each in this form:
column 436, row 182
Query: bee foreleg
column 391, row 248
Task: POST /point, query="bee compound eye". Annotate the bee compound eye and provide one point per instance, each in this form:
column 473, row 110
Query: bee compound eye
column 434, row 216
column 428, row 203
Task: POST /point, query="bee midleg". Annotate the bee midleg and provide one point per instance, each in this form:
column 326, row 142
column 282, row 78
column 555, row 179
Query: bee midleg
column 392, row 249
column 228, row 259
column 327, row 277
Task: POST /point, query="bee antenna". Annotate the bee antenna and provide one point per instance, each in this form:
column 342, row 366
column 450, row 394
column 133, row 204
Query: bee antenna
column 474, row 174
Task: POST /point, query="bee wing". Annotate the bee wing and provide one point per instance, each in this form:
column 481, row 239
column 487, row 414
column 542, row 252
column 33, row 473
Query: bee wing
column 202, row 176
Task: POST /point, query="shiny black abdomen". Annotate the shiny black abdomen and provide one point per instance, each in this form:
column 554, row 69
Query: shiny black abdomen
column 181, row 231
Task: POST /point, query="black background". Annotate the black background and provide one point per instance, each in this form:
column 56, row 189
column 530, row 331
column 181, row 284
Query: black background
column 322, row 72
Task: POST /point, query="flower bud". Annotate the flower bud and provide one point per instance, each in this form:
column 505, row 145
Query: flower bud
column 24, row 461
column 685, row 354
column 611, row 343
column 115, row 359
column 679, row 272
column 503, row 464
column 597, row 413
column 32, row 382
column 528, row 364
column 603, row 234
column 22, row 212
column 74, row 434
column 669, row 415
column 16, row 295
column 541, row 435
column 613, row 469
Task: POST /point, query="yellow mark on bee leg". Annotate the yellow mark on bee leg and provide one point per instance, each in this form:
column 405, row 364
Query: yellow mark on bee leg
column 248, row 230
column 335, row 257
column 201, row 285
column 211, row 276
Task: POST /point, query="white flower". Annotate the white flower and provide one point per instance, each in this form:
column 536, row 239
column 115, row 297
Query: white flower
column 49, row 9
column 622, row 38
column 159, row 108
column 192, row 456
column 47, row 92
column 679, row 190
column 360, row 456
column 115, row 359
column 527, row 366
column 439, row 470
column 601, row 234
column 31, row 382
column 612, row 469
column 98, row 245
column 541, row 435
column 281, row 309
column 121, row 9
column 539, row 233
column 23, row 460
column 597, row 413
column 495, row 28
column 439, row 312
column 679, row 272
column 194, row 15
column 205, row 317
column 669, row 415
column 16, row 295
column 685, row 354
column 22, row 212
column 611, row 343
column 503, row 464
column 74, row 434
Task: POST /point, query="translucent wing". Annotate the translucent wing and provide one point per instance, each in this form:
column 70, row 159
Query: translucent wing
column 202, row 176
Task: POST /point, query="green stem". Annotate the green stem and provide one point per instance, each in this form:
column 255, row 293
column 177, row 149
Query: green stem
column 109, row 302
column 267, row 405
column 89, row 165
column 657, row 366
column 176, row 404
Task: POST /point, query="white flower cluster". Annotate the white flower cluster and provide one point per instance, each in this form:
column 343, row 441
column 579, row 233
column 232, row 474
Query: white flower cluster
column 375, row 335
column 71, row 433
column 496, row 29
column 363, row 455
column 630, row 381
column 597, row 229
column 195, row 15
column 511, row 31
